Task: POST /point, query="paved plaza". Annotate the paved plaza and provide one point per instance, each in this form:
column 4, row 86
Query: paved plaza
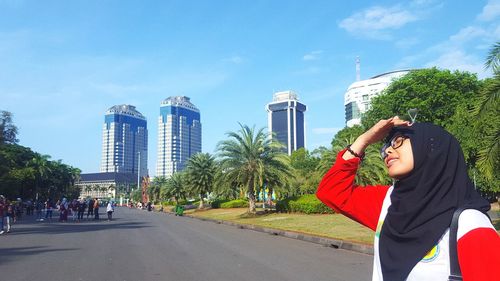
column 139, row 245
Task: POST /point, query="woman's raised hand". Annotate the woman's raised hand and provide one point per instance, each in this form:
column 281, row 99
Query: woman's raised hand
column 380, row 130
column 375, row 134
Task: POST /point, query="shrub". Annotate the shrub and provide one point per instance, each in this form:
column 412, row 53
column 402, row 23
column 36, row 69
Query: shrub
column 307, row 204
column 217, row 202
column 238, row 203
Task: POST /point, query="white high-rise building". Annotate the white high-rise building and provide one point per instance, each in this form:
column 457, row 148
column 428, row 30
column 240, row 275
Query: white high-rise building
column 285, row 115
column 359, row 94
column 179, row 135
column 124, row 141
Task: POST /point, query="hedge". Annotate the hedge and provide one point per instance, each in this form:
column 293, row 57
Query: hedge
column 238, row 203
column 217, row 202
column 307, row 204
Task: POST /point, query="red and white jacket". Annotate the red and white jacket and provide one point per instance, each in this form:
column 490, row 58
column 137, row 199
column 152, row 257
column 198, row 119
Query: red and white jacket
column 478, row 242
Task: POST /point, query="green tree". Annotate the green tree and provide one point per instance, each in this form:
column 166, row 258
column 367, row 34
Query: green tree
column 201, row 170
column 305, row 179
column 41, row 169
column 8, row 131
column 248, row 156
column 486, row 107
column 176, row 187
column 435, row 93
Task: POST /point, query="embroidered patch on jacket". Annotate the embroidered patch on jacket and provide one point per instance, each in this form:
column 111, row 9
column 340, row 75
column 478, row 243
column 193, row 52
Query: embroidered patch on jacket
column 432, row 254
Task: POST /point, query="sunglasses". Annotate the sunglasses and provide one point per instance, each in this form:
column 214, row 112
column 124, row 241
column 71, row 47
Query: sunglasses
column 395, row 142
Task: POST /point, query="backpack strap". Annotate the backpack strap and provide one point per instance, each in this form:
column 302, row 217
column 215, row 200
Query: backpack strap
column 455, row 273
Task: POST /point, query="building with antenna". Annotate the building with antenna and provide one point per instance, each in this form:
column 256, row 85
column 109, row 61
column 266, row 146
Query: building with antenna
column 287, row 121
column 359, row 94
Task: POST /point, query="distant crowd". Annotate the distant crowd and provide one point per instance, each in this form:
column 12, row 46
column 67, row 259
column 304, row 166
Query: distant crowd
column 75, row 210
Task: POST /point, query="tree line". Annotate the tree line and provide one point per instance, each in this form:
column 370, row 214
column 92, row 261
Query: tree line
column 27, row 174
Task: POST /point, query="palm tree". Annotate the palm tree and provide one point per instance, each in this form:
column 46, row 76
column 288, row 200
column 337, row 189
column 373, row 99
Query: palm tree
column 41, row 168
column 175, row 187
column 200, row 175
column 487, row 102
column 248, row 156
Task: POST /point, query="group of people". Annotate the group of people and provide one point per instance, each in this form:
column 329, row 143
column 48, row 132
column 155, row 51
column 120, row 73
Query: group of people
column 11, row 211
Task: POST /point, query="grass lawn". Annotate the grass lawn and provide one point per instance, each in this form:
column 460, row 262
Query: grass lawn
column 332, row 226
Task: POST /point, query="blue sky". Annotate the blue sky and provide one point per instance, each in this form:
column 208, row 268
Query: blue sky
column 64, row 63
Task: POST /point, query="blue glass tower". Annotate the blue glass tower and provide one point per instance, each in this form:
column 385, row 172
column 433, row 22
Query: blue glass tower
column 286, row 120
column 179, row 135
column 124, row 141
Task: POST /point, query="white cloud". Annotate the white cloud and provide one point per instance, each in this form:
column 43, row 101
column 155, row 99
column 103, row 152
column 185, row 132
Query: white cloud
column 490, row 11
column 459, row 60
column 468, row 33
column 374, row 21
column 325, row 131
column 314, row 55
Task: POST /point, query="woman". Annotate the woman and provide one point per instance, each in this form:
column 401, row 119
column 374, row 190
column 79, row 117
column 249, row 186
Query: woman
column 110, row 209
column 411, row 218
column 63, row 210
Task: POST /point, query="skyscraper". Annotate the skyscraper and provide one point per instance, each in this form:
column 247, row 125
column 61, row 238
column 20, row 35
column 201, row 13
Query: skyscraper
column 286, row 120
column 179, row 135
column 358, row 96
column 124, row 141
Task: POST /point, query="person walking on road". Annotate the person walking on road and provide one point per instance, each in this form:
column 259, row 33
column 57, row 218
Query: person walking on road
column 48, row 210
column 81, row 209
column 63, row 210
column 90, row 211
column 39, row 210
column 10, row 215
column 110, row 209
column 2, row 213
column 96, row 209
column 412, row 218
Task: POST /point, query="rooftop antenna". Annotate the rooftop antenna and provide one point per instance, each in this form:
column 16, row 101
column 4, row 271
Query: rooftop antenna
column 358, row 69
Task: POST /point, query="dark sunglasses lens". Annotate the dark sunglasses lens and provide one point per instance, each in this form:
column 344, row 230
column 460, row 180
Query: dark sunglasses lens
column 382, row 150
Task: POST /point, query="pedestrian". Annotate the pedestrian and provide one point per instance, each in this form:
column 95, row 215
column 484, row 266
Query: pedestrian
column 411, row 218
column 48, row 209
column 63, row 210
column 110, row 209
column 96, row 209
column 10, row 215
column 81, row 209
column 2, row 212
column 38, row 210
column 74, row 209
column 90, row 211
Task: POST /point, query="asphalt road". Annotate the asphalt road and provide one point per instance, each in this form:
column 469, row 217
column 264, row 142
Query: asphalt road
column 138, row 245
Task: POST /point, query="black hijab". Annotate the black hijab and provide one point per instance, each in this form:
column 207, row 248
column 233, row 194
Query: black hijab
column 423, row 202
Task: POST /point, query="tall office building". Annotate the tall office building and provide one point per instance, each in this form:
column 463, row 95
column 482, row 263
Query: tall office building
column 179, row 135
column 286, row 120
column 359, row 94
column 124, row 141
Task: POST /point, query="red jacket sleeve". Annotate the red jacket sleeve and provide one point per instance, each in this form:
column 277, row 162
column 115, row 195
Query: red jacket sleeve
column 479, row 255
column 338, row 191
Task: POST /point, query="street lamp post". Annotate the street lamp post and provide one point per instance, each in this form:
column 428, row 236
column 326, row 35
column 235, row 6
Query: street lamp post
column 138, row 171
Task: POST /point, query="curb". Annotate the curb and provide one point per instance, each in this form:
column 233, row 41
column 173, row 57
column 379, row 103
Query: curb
column 329, row 242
